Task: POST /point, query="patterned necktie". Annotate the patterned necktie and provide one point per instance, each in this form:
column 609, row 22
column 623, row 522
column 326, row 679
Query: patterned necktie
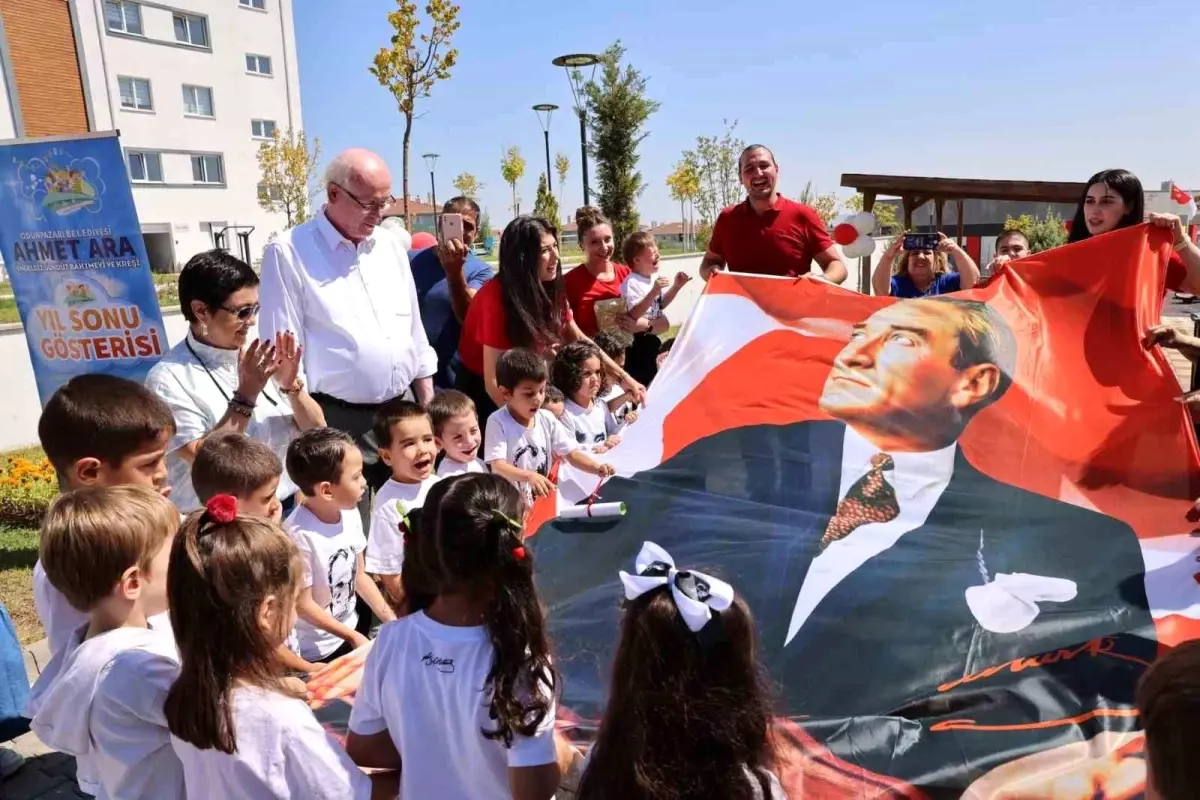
column 870, row 499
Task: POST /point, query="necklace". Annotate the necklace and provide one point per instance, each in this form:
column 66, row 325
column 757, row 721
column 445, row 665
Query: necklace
column 217, row 383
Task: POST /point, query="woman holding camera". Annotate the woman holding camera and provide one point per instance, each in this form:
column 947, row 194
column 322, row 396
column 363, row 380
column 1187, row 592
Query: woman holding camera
column 920, row 270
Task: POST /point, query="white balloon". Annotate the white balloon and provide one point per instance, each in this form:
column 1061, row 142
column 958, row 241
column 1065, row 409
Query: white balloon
column 861, row 247
column 863, row 222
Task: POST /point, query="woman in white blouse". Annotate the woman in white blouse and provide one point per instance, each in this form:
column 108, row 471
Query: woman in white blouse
column 214, row 382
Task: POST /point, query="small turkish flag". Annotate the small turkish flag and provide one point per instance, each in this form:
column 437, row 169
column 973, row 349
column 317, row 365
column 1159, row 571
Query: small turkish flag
column 1180, row 196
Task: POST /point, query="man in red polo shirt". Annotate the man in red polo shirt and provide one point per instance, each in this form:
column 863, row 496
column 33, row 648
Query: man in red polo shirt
column 769, row 234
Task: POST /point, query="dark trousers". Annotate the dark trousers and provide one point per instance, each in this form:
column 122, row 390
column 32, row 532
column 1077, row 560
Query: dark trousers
column 641, row 359
column 474, row 387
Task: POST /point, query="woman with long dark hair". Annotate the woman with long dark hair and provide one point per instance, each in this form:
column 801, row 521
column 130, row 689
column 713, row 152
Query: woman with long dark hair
column 689, row 711
column 524, row 306
column 1113, row 199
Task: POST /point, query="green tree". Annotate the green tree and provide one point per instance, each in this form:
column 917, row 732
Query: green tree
column 715, row 160
column 546, row 206
column 618, row 110
column 468, row 185
column 684, row 183
column 562, row 165
column 485, row 227
column 411, row 65
column 885, row 213
column 1044, row 233
column 288, row 168
column 824, row 204
column 512, row 168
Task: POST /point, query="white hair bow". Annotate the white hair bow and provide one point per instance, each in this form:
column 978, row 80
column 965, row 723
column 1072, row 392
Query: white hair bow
column 696, row 595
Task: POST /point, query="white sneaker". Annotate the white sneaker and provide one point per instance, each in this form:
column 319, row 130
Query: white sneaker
column 10, row 762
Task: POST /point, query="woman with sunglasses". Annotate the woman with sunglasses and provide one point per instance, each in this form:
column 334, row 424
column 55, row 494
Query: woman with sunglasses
column 220, row 379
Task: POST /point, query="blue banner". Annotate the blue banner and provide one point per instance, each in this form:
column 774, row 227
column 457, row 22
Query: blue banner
column 75, row 257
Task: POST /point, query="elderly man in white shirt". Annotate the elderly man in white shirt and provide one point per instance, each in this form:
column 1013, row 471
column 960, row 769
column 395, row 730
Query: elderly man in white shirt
column 344, row 285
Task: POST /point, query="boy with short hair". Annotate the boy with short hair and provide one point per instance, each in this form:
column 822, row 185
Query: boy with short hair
column 614, row 344
column 556, row 402
column 101, row 696
column 406, row 444
column 647, row 296
column 456, row 428
column 99, row 430
column 233, row 463
column 522, row 436
column 328, row 469
column 1168, row 700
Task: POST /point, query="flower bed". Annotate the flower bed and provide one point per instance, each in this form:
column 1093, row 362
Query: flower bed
column 27, row 485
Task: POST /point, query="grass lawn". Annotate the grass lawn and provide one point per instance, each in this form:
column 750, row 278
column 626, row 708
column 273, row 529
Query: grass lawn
column 167, row 285
column 18, row 553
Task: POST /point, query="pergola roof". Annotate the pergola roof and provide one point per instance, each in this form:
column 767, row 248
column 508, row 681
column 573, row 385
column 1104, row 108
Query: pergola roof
column 963, row 188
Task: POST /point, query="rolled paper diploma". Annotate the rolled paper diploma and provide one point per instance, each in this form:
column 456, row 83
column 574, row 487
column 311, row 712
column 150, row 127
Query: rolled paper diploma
column 593, row 510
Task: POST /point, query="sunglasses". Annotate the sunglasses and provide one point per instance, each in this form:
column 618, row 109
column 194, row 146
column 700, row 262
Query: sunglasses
column 245, row 313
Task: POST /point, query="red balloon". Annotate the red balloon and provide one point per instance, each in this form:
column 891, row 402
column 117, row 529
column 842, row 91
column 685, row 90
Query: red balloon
column 423, row 240
column 843, row 234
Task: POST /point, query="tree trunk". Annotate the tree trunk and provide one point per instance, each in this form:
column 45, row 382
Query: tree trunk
column 404, row 180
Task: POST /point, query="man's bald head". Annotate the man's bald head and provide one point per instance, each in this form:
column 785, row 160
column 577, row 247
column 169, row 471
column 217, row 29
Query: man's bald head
column 359, row 186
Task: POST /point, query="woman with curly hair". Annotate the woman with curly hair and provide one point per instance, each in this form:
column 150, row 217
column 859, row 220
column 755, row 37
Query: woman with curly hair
column 918, row 273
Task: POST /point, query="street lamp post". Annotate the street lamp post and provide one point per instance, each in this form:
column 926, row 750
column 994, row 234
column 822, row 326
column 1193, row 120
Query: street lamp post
column 431, row 162
column 572, row 64
column 548, row 109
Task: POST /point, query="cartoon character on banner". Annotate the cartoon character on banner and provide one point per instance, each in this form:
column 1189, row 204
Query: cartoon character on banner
column 853, row 234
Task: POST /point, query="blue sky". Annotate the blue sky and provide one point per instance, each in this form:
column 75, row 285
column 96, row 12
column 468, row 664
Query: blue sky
column 1045, row 90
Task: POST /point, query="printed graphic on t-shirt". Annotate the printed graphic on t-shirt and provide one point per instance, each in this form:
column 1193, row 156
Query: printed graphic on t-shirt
column 597, row 438
column 445, row 665
column 532, row 458
column 341, row 583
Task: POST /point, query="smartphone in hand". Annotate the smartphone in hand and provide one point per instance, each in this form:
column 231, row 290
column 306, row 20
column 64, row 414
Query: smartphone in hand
column 921, row 241
column 450, row 227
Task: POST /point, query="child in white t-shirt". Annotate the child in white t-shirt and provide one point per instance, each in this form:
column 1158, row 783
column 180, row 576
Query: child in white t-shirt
column 101, row 696
column 328, row 469
column 234, row 464
column 456, row 426
column 614, row 344
column 645, row 298
column 555, row 402
column 465, row 709
column 522, row 437
column 577, row 372
column 406, row 444
column 240, row 728
column 686, row 652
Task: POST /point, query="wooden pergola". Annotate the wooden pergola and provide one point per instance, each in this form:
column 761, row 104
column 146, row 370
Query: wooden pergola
column 914, row 192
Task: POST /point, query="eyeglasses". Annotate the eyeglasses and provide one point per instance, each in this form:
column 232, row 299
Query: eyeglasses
column 245, row 313
column 377, row 207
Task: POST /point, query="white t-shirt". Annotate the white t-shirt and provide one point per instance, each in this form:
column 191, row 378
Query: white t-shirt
column 527, row 448
column 282, row 753
column 635, row 288
column 421, row 684
column 101, row 700
column 450, row 467
column 618, row 416
column 590, row 426
column 330, row 555
column 60, row 619
column 385, row 543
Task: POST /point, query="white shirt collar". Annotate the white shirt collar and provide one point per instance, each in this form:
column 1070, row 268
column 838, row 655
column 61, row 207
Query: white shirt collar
column 335, row 239
column 913, row 471
column 212, row 357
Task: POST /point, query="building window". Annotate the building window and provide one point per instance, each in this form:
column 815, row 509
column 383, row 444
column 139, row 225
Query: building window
column 197, row 101
column 145, row 167
column 207, row 169
column 261, row 5
column 262, row 128
column 123, row 17
column 272, row 192
column 259, row 65
column 135, row 94
column 191, row 30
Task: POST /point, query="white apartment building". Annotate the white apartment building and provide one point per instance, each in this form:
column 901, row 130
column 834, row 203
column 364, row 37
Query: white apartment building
column 194, row 87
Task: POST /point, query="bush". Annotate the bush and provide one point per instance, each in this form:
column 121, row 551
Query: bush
column 703, row 235
column 27, row 485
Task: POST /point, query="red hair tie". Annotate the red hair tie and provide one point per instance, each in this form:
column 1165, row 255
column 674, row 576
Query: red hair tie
column 519, row 553
column 222, row 508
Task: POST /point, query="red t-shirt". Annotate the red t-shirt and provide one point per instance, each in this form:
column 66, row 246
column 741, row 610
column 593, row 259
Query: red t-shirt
column 583, row 290
column 1176, row 272
column 783, row 241
column 487, row 324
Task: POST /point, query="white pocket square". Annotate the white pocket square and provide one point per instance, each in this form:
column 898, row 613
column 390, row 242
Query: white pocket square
column 1010, row 602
